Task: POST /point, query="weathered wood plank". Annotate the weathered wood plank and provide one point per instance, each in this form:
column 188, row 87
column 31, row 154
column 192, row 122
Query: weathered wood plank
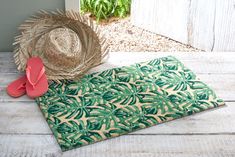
column 200, row 29
column 24, row 131
column 198, row 62
column 19, row 117
column 5, row 79
column 4, row 97
column 22, row 117
column 72, row 5
column 223, row 84
column 124, row 146
column 168, row 18
column 8, row 68
column 224, row 30
column 26, row 118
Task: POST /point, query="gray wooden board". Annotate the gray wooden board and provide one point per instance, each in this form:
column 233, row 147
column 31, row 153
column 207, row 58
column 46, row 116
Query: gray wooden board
column 24, row 131
column 199, row 62
column 223, row 84
column 26, row 118
column 124, row 146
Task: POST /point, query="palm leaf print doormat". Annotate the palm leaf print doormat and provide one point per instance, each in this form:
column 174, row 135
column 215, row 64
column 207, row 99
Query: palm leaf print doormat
column 121, row 100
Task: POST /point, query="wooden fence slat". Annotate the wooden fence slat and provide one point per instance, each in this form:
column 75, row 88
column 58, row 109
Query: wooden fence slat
column 200, row 29
column 72, row 5
column 207, row 25
column 224, row 25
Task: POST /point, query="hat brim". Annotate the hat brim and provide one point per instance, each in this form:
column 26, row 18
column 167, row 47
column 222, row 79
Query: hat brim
column 94, row 47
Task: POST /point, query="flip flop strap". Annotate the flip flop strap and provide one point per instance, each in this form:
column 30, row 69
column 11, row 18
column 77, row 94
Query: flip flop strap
column 22, row 86
column 28, row 69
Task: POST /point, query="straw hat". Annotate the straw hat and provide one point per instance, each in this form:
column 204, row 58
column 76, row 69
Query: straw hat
column 69, row 44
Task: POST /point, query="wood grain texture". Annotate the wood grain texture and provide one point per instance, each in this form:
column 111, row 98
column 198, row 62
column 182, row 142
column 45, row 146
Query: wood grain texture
column 24, row 131
column 124, row 146
column 223, row 85
column 26, row 118
column 72, row 5
column 207, row 25
column 205, row 65
column 201, row 62
column 200, row 26
column 168, row 18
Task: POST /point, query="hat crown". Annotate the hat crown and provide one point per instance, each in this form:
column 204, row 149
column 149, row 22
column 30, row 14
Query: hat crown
column 64, row 41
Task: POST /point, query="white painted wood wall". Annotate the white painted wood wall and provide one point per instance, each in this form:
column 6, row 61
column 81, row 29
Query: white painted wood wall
column 204, row 24
column 72, row 5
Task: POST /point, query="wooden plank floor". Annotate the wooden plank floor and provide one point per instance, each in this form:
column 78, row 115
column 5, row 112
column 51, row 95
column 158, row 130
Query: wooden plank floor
column 24, row 131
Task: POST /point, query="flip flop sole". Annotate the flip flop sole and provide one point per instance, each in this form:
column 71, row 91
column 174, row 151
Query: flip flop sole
column 17, row 87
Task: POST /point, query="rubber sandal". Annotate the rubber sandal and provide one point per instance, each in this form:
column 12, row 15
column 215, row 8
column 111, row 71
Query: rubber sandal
column 36, row 84
column 17, row 87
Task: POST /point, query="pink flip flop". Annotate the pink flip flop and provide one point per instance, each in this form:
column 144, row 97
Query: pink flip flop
column 17, row 87
column 36, row 84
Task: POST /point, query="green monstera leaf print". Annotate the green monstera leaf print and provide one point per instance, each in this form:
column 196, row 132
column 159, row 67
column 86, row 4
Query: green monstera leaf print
column 117, row 101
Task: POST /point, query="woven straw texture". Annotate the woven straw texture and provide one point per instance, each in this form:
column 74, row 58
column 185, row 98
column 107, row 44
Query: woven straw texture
column 68, row 43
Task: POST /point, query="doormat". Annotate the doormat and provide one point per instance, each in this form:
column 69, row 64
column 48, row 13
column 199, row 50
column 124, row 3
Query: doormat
column 121, row 100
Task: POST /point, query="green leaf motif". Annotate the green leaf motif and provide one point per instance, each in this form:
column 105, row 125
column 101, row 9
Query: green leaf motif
column 121, row 100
